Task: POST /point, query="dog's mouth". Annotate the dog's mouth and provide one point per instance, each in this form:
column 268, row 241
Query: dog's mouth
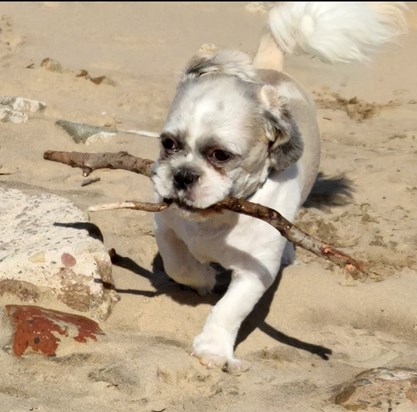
column 181, row 204
column 193, row 210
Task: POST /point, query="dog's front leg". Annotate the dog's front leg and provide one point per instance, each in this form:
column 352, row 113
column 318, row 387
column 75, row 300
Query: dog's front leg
column 180, row 264
column 214, row 346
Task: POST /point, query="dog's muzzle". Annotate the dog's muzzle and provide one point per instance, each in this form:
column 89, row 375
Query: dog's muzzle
column 185, row 178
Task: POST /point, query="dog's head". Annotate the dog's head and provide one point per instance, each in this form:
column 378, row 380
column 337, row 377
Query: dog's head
column 224, row 133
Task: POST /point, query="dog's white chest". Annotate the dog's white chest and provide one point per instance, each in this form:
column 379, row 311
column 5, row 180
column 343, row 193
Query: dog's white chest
column 205, row 240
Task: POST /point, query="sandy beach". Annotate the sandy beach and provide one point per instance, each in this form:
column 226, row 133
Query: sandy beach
column 316, row 328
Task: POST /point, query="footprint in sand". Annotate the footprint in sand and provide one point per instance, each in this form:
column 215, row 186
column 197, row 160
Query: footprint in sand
column 9, row 40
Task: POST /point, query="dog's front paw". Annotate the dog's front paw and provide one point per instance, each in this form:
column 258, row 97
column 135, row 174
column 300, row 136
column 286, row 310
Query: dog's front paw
column 214, row 349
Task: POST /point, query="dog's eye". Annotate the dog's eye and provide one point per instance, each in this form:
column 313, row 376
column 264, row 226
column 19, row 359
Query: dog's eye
column 169, row 144
column 220, row 155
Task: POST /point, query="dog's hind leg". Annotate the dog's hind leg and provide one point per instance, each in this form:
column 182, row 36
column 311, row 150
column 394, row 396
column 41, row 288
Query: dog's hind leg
column 269, row 56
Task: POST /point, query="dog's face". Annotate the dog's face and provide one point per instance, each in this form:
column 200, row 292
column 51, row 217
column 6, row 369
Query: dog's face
column 223, row 134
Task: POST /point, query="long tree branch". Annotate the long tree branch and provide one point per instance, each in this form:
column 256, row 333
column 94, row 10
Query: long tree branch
column 89, row 162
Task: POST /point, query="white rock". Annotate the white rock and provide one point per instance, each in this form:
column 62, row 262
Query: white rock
column 46, row 248
column 100, row 137
column 13, row 116
column 12, row 109
column 22, row 104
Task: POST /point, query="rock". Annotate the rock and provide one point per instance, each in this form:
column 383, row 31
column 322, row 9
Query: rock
column 96, row 80
column 12, row 109
column 52, row 65
column 101, row 137
column 49, row 249
column 85, row 133
column 22, row 104
column 41, row 330
column 12, row 116
column 80, row 132
column 379, row 390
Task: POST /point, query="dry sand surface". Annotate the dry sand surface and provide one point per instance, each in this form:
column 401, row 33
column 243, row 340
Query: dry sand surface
column 368, row 117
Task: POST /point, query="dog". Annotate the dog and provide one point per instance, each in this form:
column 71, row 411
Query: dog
column 244, row 128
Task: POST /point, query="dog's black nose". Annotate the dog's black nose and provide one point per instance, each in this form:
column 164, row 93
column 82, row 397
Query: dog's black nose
column 184, row 178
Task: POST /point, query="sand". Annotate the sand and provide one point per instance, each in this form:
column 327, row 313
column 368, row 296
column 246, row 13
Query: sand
column 368, row 118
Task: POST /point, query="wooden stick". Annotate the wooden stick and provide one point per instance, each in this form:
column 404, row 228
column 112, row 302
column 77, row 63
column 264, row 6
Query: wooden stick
column 268, row 215
column 293, row 233
column 89, row 162
column 145, row 206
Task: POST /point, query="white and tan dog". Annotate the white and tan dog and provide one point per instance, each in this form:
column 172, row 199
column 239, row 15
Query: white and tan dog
column 245, row 129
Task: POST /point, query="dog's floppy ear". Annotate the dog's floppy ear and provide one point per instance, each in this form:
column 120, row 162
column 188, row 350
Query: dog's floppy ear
column 228, row 62
column 285, row 142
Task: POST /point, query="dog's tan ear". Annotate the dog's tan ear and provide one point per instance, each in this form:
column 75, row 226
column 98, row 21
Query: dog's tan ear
column 285, row 142
column 228, row 62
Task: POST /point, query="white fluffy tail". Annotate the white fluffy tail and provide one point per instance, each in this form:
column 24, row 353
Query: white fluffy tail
column 336, row 32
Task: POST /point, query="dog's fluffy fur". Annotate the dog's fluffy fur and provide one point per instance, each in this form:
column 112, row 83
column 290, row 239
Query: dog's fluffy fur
column 245, row 129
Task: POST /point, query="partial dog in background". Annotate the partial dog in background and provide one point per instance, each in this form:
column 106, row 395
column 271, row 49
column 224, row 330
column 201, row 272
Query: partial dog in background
column 245, row 129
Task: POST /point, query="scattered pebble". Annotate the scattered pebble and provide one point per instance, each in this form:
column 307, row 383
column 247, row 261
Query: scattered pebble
column 13, row 109
column 96, row 80
column 378, row 389
column 52, row 65
column 80, row 132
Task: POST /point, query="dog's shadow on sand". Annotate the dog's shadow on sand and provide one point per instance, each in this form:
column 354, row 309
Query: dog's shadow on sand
column 327, row 192
column 161, row 282
column 186, row 296
column 257, row 319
